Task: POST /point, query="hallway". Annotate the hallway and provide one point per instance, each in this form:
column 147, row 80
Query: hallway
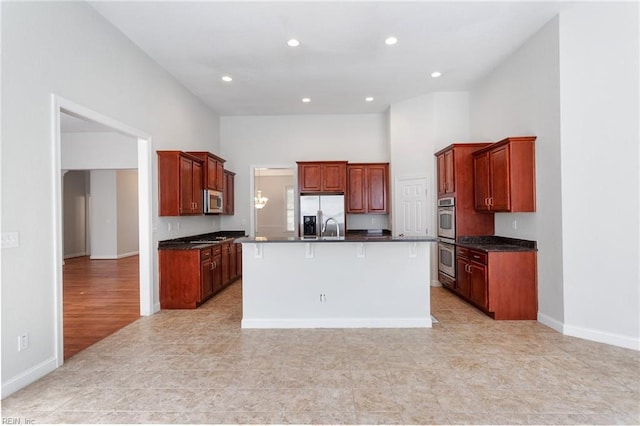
column 99, row 298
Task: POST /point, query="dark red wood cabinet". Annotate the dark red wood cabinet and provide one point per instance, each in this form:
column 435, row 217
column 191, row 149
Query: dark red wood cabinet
column 367, row 188
column 213, row 171
column 322, row 176
column 456, row 180
column 504, row 176
column 229, row 192
column 502, row 284
column 180, row 189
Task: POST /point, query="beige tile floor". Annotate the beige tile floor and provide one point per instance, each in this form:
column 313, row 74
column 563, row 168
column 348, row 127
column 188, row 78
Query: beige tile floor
column 200, row 367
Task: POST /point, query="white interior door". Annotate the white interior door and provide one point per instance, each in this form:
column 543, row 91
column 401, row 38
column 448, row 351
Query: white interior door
column 411, row 200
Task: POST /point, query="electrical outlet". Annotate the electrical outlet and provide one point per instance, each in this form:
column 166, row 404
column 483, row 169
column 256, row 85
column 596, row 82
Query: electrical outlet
column 10, row 239
column 23, row 342
column 323, row 297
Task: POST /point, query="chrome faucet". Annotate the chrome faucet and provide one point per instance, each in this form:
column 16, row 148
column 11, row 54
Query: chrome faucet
column 324, row 228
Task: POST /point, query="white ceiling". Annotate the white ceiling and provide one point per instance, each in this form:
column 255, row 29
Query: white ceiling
column 342, row 57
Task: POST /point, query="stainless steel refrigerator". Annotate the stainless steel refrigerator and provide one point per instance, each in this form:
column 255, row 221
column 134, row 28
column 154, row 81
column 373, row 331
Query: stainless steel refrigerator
column 322, row 216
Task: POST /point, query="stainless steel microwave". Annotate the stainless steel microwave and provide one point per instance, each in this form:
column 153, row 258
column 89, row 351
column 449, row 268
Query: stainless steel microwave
column 213, row 201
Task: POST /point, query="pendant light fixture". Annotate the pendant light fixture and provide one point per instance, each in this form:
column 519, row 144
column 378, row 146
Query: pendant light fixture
column 259, row 200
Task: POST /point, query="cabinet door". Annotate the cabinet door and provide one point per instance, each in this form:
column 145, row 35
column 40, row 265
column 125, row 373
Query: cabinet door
column 219, row 176
column 449, row 177
column 500, row 197
column 441, row 174
column 356, row 201
column 197, row 193
column 186, row 185
column 211, row 173
column 225, row 264
column 463, row 279
column 229, row 192
column 206, row 279
column 217, row 273
column 481, row 182
column 333, row 177
column 377, row 187
column 310, row 178
column 478, row 284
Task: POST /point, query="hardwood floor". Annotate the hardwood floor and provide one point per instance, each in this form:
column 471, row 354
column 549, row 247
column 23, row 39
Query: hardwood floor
column 99, row 298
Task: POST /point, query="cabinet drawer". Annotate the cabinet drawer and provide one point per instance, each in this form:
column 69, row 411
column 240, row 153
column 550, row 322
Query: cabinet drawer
column 205, row 253
column 217, row 250
column 478, row 256
column 462, row 251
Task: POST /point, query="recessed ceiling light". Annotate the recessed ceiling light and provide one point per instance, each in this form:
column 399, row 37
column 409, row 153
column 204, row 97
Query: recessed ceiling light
column 369, row 99
column 227, row 78
column 306, row 100
column 293, row 42
column 436, row 74
column 391, row 40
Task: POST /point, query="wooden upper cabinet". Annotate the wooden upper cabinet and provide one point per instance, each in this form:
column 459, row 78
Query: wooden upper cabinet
column 229, row 192
column 180, row 186
column 481, row 182
column 368, row 188
column 504, row 176
column 322, row 176
column 356, row 189
column 446, row 172
column 213, row 170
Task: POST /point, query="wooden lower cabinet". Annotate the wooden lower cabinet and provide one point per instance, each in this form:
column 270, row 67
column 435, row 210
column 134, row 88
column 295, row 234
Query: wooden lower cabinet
column 226, row 263
column 189, row 278
column 502, row 284
column 186, row 277
column 217, row 272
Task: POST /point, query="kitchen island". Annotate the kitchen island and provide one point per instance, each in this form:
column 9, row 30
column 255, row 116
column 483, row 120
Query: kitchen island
column 353, row 281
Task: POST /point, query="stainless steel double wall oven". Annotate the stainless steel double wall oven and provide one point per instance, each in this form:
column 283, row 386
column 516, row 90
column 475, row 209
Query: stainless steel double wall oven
column 447, row 237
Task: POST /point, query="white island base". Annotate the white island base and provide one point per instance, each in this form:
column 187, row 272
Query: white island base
column 341, row 284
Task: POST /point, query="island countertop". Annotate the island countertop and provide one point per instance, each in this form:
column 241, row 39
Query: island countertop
column 347, row 239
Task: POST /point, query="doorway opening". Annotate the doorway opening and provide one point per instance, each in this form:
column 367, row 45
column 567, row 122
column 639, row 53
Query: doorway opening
column 274, row 201
column 137, row 142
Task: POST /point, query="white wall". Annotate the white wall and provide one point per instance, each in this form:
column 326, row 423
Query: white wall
column 283, row 140
column 68, row 49
column 599, row 91
column 127, row 212
column 104, row 212
column 418, row 128
column 98, row 150
column 75, row 192
column 521, row 97
column 574, row 85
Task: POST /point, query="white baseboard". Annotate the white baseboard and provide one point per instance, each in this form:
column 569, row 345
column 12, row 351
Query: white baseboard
column 436, row 283
column 590, row 334
column 114, row 256
column 602, row 337
column 338, row 323
column 69, row 256
column 132, row 253
column 551, row 322
column 26, row 378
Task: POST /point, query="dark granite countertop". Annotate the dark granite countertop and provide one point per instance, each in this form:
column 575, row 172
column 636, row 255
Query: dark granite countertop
column 366, row 238
column 496, row 243
column 200, row 241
